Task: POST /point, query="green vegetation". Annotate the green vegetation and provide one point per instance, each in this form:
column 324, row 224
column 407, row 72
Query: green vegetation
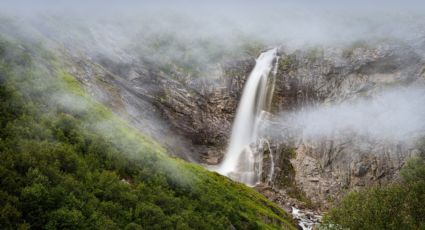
column 251, row 47
column 285, row 63
column 183, row 58
column 66, row 162
column 315, row 53
column 349, row 51
column 397, row 206
column 285, row 178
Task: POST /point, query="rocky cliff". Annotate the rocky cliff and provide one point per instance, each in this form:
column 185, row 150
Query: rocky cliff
column 327, row 167
column 192, row 116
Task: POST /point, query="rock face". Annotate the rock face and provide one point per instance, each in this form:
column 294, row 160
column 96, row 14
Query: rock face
column 326, row 168
column 192, row 116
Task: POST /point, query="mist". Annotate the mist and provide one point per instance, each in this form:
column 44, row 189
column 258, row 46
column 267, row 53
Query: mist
column 393, row 115
column 205, row 33
column 197, row 36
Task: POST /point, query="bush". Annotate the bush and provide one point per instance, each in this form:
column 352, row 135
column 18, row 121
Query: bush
column 396, row 206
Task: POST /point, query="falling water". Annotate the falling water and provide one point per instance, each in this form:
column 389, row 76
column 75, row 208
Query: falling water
column 241, row 163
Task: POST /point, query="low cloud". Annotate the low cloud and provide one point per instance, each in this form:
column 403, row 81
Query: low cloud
column 392, row 115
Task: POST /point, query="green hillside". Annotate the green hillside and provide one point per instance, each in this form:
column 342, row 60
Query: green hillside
column 66, row 162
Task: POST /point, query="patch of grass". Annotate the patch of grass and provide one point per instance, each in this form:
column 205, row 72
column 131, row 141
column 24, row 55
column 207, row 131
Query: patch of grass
column 315, row 53
column 285, row 63
column 349, row 51
column 72, row 85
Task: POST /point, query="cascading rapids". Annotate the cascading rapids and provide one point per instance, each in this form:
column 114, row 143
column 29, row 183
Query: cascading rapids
column 241, row 163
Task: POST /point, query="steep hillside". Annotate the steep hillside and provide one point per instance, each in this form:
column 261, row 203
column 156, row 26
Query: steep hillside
column 67, row 162
column 162, row 115
column 200, row 112
column 192, row 115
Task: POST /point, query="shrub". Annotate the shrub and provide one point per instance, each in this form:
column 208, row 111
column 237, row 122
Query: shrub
column 395, row 206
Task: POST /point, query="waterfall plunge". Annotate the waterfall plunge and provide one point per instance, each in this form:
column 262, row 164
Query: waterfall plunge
column 240, row 162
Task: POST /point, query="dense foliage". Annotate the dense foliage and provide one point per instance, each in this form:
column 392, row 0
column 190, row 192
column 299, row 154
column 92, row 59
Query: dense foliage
column 67, row 163
column 397, row 206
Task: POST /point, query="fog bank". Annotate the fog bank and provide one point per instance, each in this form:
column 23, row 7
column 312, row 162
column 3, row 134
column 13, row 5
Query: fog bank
column 392, row 115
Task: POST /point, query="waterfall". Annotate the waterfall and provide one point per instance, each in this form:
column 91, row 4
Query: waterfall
column 241, row 163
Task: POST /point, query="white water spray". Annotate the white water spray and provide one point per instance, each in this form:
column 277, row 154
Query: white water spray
column 240, row 162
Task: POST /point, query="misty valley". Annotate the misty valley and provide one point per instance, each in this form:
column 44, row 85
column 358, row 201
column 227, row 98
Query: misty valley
column 212, row 115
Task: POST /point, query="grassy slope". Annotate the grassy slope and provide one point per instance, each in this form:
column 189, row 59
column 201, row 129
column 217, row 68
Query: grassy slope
column 67, row 162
